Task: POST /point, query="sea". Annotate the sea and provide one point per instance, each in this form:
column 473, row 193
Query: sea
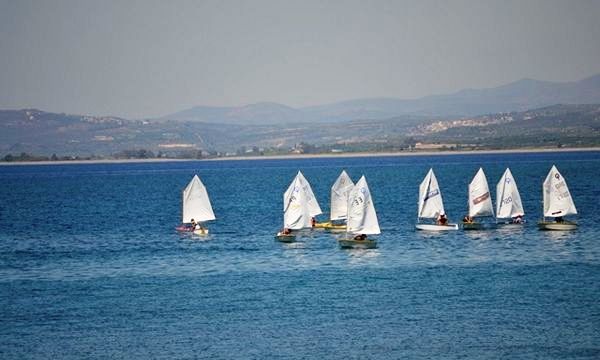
column 91, row 265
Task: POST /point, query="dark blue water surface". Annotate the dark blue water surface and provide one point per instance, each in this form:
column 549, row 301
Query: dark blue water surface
column 90, row 265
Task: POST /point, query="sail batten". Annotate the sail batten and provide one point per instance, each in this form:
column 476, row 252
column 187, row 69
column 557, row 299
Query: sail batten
column 196, row 203
column 431, row 204
column 362, row 218
column 508, row 199
column 480, row 200
column 557, row 198
column 339, row 196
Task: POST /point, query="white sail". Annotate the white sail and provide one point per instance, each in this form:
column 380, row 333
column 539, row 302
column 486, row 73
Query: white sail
column 313, row 206
column 339, row 196
column 362, row 218
column 480, row 201
column 430, row 197
column 508, row 199
column 557, row 198
column 295, row 206
column 196, row 204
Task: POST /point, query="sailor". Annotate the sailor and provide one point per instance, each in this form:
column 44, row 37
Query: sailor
column 517, row 219
column 360, row 237
column 194, row 224
column 442, row 219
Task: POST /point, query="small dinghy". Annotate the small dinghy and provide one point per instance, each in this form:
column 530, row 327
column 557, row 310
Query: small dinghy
column 480, row 203
column 431, row 206
column 509, row 208
column 297, row 208
column 361, row 218
column 557, row 203
column 196, row 208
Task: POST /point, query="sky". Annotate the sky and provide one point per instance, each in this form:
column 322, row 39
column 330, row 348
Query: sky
column 141, row 59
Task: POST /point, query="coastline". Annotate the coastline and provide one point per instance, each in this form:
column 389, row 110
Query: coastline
column 308, row 156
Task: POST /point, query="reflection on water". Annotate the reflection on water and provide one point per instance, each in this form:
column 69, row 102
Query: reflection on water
column 560, row 236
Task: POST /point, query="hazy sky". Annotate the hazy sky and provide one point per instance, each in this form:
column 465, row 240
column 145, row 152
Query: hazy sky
column 145, row 58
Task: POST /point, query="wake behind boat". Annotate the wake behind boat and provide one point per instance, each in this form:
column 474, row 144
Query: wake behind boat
column 362, row 219
column 196, row 208
column 480, row 203
column 431, row 206
column 557, row 203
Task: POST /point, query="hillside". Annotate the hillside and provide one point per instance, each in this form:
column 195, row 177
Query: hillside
column 43, row 133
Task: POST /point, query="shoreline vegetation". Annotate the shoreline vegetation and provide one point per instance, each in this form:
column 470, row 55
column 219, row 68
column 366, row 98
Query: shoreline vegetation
column 46, row 161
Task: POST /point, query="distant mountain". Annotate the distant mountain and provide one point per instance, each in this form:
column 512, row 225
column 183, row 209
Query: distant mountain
column 43, row 133
column 265, row 113
column 517, row 96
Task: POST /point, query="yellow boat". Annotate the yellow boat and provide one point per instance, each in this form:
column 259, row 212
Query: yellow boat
column 330, row 226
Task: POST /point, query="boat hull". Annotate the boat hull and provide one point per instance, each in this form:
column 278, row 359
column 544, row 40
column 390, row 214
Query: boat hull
column 285, row 238
column 183, row 228
column 477, row 226
column 330, row 226
column 201, row 232
column 555, row 226
column 436, row 227
column 357, row 244
column 472, row 226
column 510, row 225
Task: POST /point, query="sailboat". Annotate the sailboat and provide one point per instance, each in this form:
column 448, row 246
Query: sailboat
column 313, row 205
column 297, row 208
column 339, row 203
column 508, row 200
column 431, row 205
column 196, row 207
column 557, row 203
column 361, row 218
column 480, row 202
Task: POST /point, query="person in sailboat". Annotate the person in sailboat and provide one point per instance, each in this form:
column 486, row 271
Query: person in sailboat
column 313, row 221
column 286, row 231
column 517, row 219
column 360, row 237
column 467, row 219
column 559, row 219
column 442, row 219
column 194, row 224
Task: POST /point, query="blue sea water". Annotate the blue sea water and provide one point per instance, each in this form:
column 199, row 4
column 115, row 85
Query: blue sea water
column 91, row 267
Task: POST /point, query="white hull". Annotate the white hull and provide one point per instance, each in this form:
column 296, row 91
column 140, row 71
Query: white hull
column 509, row 224
column 563, row 226
column 201, row 232
column 436, row 227
column 357, row 244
